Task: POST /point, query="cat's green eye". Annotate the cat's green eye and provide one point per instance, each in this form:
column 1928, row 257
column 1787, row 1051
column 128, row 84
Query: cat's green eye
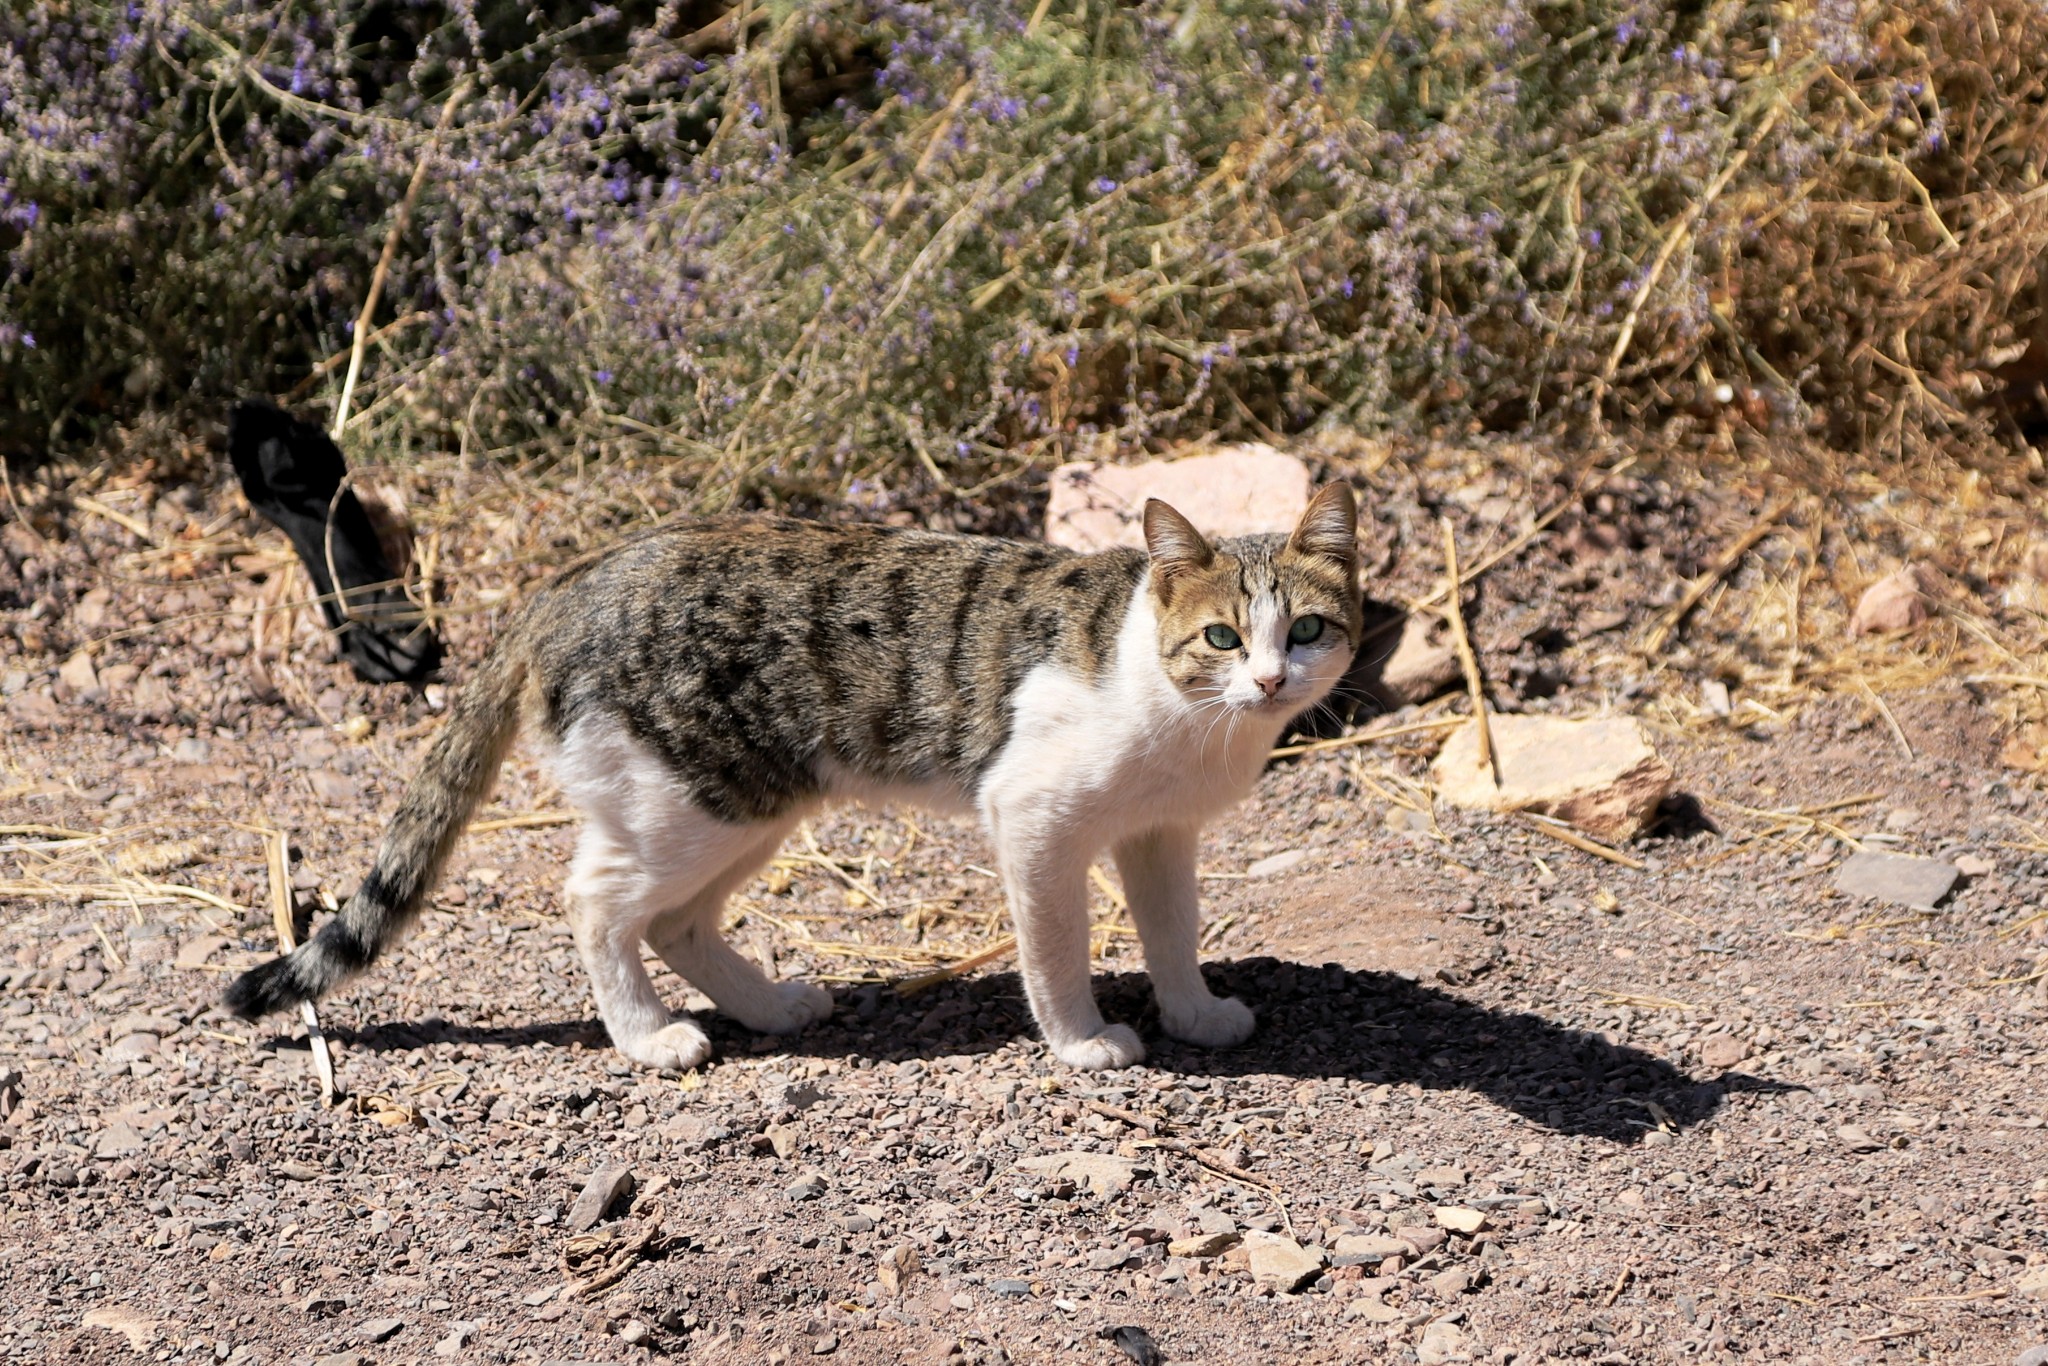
column 1305, row 629
column 1221, row 637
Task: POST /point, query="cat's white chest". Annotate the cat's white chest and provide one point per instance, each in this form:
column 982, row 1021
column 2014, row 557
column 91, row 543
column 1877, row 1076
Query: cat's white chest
column 1125, row 752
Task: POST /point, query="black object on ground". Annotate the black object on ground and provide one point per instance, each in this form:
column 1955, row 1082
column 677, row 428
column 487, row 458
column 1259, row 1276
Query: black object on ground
column 1136, row 1343
column 291, row 471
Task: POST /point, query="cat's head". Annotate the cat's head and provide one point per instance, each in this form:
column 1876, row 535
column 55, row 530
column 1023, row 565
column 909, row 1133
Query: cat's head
column 1266, row 624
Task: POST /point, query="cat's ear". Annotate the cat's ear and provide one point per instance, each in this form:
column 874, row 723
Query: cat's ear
column 1328, row 525
column 1172, row 541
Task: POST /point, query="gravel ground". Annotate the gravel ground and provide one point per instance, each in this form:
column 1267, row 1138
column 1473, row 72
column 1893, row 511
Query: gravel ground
column 1508, row 1101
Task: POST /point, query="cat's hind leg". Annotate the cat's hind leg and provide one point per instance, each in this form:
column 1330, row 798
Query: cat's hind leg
column 689, row 940
column 1159, row 882
column 647, row 846
column 612, row 900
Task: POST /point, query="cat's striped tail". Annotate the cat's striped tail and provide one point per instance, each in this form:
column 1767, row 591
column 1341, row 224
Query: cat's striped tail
column 452, row 782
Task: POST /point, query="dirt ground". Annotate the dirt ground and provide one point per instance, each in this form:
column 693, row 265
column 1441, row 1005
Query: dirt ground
column 1705, row 1108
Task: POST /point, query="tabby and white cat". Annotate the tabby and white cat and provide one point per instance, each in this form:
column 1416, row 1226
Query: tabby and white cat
column 703, row 688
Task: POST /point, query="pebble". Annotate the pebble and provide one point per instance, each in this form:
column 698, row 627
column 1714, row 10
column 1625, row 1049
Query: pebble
column 1279, row 1262
column 1458, row 1219
column 605, row 1186
column 380, row 1330
column 1452, row 1282
column 1274, row 864
column 1203, row 1245
column 1361, row 1249
column 1441, row 1343
column 825, row 1346
column 633, row 1332
column 1975, row 865
column 1900, row 879
column 1010, row 1289
column 1102, row 1173
column 809, row 1186
column 2033, row 1356
column 1722, row 1051
column 1858, row 1139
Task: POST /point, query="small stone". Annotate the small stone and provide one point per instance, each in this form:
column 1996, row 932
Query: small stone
column 298, row 1171
column 1233, row 491
column 133, row 1048
column 1901, row 879
column 193, row 953
column 783, row 1096
column 1202, row 1245
column 1418, row 668
column 1274, row 864
column 1422, row 1239
column 2033, row 1356
column 118, row 1139
column 1459, row 1219
column 1010, row 1289
column 1901, row 819
column 2034, row 1282
column 605, row 1186
column 1108, row 1259
column 809, row 1186
column 1897, row 602
column 1367, row 1249
column 1444, row 1178
column 1102, row 1173
column 633, row 1332
column 1601, row 775
column 457, row 1338
column 896, row 1266
column 1722, row 1051
column 1373, row 1309
column 77, row 674
column 380, row 1330
column 1452, row 1282
column 1975, row 865
column 332, row 787
column 1442, row 1343
column 1858, row 1139
column 825, row 1346
column 1279, row 1262
column 784, row 1139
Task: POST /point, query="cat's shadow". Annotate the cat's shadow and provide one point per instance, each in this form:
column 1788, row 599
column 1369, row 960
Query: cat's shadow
column 1322, row 1022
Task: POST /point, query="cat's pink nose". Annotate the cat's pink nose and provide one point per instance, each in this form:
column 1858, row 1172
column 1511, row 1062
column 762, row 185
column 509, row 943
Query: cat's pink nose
column 1270, row 683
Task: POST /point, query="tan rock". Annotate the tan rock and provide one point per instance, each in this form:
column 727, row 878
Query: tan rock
column 1280, row 1262
column 1373, row 1247
column 1459, row 1219
column 1202, row 1245
column 1897, row 602
column 1234, row 491
column 1419, row 664
column 1600, row 775
column 78, row 674
column 896, row 1266
column 1722, row 1051
column 2033, row 1281
column 1102, row 1173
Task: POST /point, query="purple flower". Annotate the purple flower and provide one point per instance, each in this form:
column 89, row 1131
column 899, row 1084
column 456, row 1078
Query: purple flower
column 603, row 377
column 1103, row 185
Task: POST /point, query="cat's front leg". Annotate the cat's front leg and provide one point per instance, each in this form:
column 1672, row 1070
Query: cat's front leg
column 1047, row 881
column 1159, row 882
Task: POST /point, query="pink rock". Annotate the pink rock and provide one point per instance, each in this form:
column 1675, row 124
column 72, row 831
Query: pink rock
column 1233, row 491
column 1896, row 602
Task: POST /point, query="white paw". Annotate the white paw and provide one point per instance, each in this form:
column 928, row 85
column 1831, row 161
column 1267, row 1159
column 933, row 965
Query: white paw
column 674, row 1048
column 1116, row 1046
column 787, row 1007
column 1218, row 1022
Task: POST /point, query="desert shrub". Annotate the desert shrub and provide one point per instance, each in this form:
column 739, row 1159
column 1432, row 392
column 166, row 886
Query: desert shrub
column 861, row 247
